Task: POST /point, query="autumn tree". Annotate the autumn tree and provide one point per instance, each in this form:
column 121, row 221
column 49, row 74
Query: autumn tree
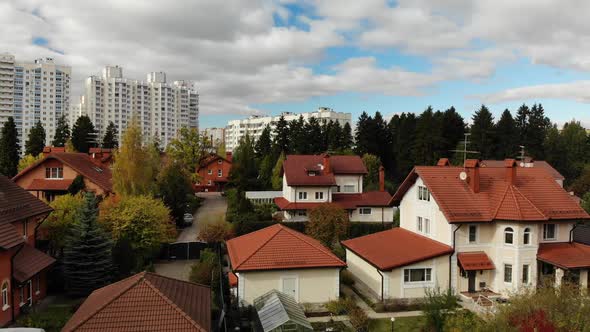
column 58, row 225
column 371, row 179
column 28, row 160
column 215, row 231
column 328, row 223
column 188, row 148
column 277, row 179
column 206, row 270
column 174, row 188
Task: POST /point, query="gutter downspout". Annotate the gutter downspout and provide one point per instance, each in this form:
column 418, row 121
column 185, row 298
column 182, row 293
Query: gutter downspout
column 451, row 256
column 572, row 232
column 12, row 282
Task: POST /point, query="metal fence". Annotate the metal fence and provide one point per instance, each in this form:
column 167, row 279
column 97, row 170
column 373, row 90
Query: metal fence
column 183, row 250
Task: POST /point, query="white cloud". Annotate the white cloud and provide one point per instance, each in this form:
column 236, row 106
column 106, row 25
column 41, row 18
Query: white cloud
column 577, row 91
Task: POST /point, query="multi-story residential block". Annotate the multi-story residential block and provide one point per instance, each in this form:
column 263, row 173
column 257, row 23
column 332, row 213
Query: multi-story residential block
column 255, row 124
column 216, row 136
column 480, row 231
column 32, row 92
column 160, row 107
column 311, row 180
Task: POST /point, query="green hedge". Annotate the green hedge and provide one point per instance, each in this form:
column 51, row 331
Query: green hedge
column 365, row 228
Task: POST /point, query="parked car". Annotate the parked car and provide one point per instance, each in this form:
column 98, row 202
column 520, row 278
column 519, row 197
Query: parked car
column 188, row 219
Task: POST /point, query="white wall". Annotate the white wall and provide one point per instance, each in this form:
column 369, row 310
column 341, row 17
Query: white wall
column 355, row 180
column 378, row 214
column 365, row 272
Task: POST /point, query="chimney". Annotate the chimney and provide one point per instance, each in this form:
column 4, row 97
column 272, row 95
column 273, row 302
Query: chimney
column 510, row 165
column 381, row 178
column 327, row 166
column 228, row 156
column 46, row 151
column 472, row 169
column 443, row 162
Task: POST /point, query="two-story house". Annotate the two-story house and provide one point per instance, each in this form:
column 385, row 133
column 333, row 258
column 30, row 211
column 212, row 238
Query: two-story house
column 492, row 230
column 22, row 267
column 213, row 172
column 53, row 175
column 311, row 180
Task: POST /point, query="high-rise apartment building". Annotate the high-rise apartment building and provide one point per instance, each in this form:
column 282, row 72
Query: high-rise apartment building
column 32, row 92
column 161, row 108
column 255, row 124
column 215, row 135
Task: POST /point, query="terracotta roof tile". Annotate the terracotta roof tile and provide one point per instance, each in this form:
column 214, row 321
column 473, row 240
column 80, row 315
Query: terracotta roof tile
column 296, row 169
column 9, row 236
column 535, row 196
column 278, row 247
column 396, row 247
column 49, row 184
column 475, row 261
column 18, row 204
column 540, row 163
column 346, row 201
column 284, row 204
column 565, row 254
column 30, row 261
column 145, row 302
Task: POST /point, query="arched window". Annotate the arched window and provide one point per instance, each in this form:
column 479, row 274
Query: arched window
column 508, row 235
column 5, row 294
column 527, row 236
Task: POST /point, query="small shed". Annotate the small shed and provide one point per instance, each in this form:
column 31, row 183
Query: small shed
column 279, row 312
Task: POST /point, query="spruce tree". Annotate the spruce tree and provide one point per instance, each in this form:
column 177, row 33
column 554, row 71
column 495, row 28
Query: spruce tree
column 507, row 137
column 109, row 140
column 405, row 138
column 87, row 261
column 281, row 140
column 297, row 136
column 428, row 135
column 453, row 130
column 263, row 144
column 482, row 132
column 62, row 132
column 346, row 141
column 9, row 149
column 537, row 130
column 83, row 134
column 312, row 131
column 36, row 140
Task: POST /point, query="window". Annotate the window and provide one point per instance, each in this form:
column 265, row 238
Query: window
column 210, row 171
column 426, row 225
column 349, row 188
column 219, row 161
column 219, row 173
column 319, row 195
column 417, row 275
column 303, row 195
column 423, row 193
column 419, row 224
column 5, row 295
column 423, row 225
column 472, row 233
column 525, row 274
column 507, row 272
column 209, row 182
column 364, row 210
column 301, row 213
column 508, row 235
column 527, row 236
column 549, row 232
column 54, row 173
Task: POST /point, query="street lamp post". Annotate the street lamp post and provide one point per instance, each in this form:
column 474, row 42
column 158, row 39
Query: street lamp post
column 392, row 321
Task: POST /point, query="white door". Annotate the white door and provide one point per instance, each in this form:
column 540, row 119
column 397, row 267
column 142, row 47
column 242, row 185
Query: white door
column 290, row 287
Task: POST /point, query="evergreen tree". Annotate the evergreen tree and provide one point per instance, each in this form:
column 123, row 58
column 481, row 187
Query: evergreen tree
column 346, row 141
column 9, row 149
column 383, row 139
column 405, row 138
column 428, row 138
column 371, row 180
column 267, row 164
column 556, row 152
column 87, row 261
column 482, row 132
column 244, row 171
column 36, row 140
column 362, row 136
column 313, row 135
column 537, row 130
column 334, row 135
column 174, row 188
column 62, row 132
column 522, row 123
column 453, row 130
column 277, row 179
column 507, row 137
column 83, row 134
column 109, row 140
column 264, row 143
column 281, row 139
column 297, row 136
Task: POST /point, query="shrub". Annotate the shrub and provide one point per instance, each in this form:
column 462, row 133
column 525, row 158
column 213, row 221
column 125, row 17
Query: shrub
column 437, row 304
column 365, row 228
column 215, row 231
column 328, row 223
column 358, row 318
column 51, row 319
column 340, row 306
column 206, row 270
column 396, row 305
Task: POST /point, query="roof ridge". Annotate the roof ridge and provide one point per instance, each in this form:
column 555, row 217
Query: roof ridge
column 515, row 201
column 500, row 203
column 94, row 312
column 174, row 279
column 171, row 303
column 531, row 203
column 260, row 246
column 303, row 237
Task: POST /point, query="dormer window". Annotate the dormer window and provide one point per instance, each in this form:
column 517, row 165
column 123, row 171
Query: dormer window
column 54, row 173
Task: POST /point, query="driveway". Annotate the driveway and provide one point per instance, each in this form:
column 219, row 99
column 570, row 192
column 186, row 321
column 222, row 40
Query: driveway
column 214, row 207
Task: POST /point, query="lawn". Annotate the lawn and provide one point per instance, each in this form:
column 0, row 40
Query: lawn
column 51, row 319
column 402, row 324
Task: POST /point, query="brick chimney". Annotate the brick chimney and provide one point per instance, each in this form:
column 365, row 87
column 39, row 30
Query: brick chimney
column 511, row 166
column 381, row 178
column 327, row 164
column 228, row 156
column 443, row 162
column 472, row 169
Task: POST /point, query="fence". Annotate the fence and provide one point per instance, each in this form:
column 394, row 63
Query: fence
column 183, row 250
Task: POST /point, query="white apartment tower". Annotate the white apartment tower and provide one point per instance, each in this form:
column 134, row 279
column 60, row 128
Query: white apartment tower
column 31, row 92
column 161, row 108
column 255, row 124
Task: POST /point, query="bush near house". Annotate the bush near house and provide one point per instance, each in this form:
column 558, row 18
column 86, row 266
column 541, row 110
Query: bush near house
column 51, row 319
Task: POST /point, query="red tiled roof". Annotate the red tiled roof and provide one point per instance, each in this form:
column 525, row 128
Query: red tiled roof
column 540, row 163
column 296, row 169
column 284, row 204
column 233, row 279
column 535, row 196
column 396, row 247
column 50, row 184
column 346, row 201
column 30, row 261
column 565, row 254
column 278, row 247
column 81, row 163
column 475, row 261
column 208, row 159
column 9, row 236
column 145, row 302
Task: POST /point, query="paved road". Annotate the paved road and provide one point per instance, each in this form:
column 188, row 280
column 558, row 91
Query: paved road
column 214, row 207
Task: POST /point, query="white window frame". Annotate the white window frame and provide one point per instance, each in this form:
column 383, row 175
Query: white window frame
column 469, row 234
column 426, row 226
column 365, row 211
column 423, row 194
column 208, row 182
column 508, row 230
column 545, row 238
column 210, row 171
column 419, row 224
column 528, row 274
column 349, row 188
column 55, row 173
column 319, row 195
column 506, row 267
column 219, row 173
column 427, row 275
column 302, row 195
column 527, row 231
column 5, row 295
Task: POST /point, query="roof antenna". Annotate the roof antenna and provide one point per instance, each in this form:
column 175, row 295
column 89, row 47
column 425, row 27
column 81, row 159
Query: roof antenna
column 465, row 151
column 522, row 155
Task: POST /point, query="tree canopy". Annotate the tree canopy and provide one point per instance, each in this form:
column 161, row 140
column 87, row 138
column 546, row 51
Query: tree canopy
column 9, row 149
column 109, row 140
column 83, row 134
column 36, row 139
column 62, row 132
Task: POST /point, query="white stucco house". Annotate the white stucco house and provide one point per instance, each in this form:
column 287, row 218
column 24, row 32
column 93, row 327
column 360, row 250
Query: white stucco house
column 503, row 229
column 277, row 257
column 311, row 180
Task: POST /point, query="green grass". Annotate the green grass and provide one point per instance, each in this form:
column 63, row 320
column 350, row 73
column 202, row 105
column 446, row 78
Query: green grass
column 402, row 324
column 336, row 326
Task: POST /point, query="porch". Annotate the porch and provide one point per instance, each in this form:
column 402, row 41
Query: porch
column 567, row 262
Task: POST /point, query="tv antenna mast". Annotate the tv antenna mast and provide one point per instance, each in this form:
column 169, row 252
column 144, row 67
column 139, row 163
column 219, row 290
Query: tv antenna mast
column 522, row 155
column 465, row 151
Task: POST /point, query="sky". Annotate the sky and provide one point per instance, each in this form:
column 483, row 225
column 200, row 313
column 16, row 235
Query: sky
column 265, row 57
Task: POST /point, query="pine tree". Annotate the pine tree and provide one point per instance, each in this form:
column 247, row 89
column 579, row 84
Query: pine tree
column 62, row 132
column 87, row 260
column 537, row 130
column 428, row 134
column 109, row 141
column 362, row 136
column 405, row 138
column 281, row 140
column 9, row 149
column 482, row 132
column 313, row 135
column 36, row 140
column 453, row 130
column 83, row 134
column 507, row 137
column 244, row 171
column 346, row 140
column 297, row 136
column 263, row 145
column 522, row 123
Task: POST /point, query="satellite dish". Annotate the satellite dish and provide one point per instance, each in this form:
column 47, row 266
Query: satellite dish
column 463, row 176
column 521, row 164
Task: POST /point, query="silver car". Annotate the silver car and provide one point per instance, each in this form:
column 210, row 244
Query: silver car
column 188, row 219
